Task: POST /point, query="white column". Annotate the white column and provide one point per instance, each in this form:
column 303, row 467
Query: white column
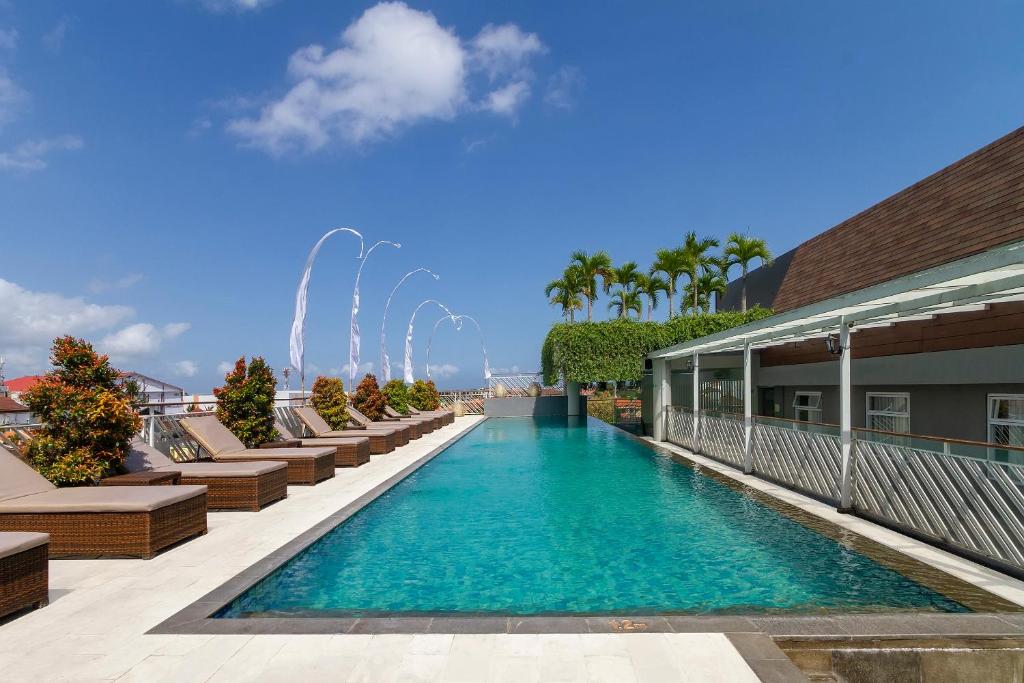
column 662, row 381
column 572, row 398
column 748, row 412
column 696, row 402
column 845, row 412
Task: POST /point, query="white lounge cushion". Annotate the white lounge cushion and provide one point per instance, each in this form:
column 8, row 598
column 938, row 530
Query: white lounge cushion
column 102, row 499
column 217, row 470
column 271, row 453
column 14, row 542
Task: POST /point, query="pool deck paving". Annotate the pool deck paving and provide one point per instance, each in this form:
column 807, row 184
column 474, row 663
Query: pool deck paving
column 97, row 626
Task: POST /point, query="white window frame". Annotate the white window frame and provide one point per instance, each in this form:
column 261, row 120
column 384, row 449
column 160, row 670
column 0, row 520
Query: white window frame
column 813, row 413
column 868, row 413
column 997, row 421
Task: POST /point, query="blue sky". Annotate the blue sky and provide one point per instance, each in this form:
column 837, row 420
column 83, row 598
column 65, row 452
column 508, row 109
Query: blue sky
column 165, row 166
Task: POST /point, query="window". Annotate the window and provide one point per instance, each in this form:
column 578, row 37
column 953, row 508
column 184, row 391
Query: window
column 888, row 412
column 1006, row 419
column 807, row 406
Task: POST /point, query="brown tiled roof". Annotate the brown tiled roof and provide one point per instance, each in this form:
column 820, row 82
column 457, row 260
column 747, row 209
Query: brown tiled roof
column 973, row 205
column 9, row 405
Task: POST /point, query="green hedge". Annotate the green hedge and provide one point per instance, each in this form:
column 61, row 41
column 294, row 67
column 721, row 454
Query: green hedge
column 614, row 350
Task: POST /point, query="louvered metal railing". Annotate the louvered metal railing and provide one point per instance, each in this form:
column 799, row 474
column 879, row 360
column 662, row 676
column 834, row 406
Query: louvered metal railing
column 965, row 495
column 802, row 455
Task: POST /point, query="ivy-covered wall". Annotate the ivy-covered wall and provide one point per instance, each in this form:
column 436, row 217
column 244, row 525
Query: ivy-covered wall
column 614, row 350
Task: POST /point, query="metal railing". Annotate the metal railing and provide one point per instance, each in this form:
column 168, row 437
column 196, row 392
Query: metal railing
column 519, row 383
column 965, row 495
column 472, row 401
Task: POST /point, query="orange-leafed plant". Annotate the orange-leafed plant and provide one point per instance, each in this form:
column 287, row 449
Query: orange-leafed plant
column 330, row 401
column 368, row 399
column 87, row 414
column 245, row 404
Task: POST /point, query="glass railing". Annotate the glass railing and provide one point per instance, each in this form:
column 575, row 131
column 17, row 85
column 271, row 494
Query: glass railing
column 978, row 450
column 821, row 428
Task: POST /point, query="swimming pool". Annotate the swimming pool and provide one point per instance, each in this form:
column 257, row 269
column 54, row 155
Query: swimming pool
column 534, row 516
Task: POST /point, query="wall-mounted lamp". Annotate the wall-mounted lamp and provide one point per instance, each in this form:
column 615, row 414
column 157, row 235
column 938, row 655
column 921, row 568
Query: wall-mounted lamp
column 832, row 344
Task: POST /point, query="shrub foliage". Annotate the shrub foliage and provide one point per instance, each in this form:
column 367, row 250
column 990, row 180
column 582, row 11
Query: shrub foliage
column 423, row 395
column 614, row 350
column 396, row 394
column 245, row 404
column 368, row 399
column 330, row 401
column 87, row 413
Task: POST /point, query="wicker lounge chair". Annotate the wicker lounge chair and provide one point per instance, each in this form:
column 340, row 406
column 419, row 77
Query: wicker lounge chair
column 352, row 451
column 24, row 580
column 92, row 521
column 447, row 416
column 360, row 421
column 305, row 465
column 230, row 485
column 381, row 441
column 429, row 422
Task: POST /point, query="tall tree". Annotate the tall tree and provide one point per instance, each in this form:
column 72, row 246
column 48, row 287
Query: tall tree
column 591, row 267
column 625, row 302
column 709, row 282
column 741, row 250
column 566, row 292
column 671, row 262
column 625, row 275
column 649, row 286
column 698, row 260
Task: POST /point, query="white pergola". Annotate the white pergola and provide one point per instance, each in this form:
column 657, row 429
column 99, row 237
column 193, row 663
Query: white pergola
column 970, row 284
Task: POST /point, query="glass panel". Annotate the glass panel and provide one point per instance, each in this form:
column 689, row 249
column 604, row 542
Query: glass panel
column 890, row 423
column 1010, row 435
column 888, row 403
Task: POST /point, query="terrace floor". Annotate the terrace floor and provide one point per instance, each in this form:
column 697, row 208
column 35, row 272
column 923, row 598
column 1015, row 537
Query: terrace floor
column 95, row 628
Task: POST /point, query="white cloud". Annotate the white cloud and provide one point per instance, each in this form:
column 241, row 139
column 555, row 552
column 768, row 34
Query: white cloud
column 31, row 154
column 12, row 97
column 53, row 40
column 224, row 367
column 236, row 5
column 186, row 368
column 564, row 87
column 395, row 67
column 98, row 286
column 36, row 318
column 507, row 100
column 8, row 39
column 443, row 370
column 504, row 50
column 139, row 339
column 360, row 371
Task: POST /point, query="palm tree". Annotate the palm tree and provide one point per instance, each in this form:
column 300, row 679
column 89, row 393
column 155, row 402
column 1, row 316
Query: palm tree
column 590, row 267
column 649, row 286
column 740, row 250
column 671, row 262
column 697, row 260
column 626, row 301
column 710, row 281
column 566, row 292
column 624, row 275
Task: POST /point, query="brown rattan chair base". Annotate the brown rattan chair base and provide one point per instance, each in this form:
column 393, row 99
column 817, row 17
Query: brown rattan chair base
column 24, row 580
column 304, row 470
column 352, row 454
column 243, row 493
column 114, row 534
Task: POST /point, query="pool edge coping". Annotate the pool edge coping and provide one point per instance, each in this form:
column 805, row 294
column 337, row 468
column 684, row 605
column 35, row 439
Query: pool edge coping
column 196, row 618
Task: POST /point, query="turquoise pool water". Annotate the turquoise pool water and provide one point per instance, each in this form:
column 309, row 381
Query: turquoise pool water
column 535, row 516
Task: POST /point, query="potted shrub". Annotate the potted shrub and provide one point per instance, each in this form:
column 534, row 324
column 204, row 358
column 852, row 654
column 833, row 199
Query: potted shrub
column 396, row 394
column 329, row 400
column 424, row 396
column 245, row 404
column 88, row 416
column 368, row 400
